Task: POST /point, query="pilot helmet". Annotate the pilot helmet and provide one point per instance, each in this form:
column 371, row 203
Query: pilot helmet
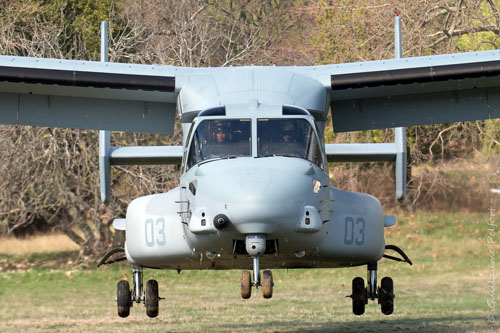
column 219, row 127
column 287, row 129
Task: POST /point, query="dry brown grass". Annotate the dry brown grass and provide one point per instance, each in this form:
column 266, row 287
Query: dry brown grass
column 463, row 184
column 37, row 244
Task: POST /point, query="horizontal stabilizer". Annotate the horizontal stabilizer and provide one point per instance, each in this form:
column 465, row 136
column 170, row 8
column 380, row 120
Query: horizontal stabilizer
column 375, row 152
column 360, row 152
column 145, row 155
column 137, row 155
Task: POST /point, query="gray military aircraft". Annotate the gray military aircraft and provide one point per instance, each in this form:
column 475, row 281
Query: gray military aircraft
column 254, row 187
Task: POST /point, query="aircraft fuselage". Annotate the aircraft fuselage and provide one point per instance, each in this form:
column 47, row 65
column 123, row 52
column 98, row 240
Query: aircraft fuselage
column 268, row 179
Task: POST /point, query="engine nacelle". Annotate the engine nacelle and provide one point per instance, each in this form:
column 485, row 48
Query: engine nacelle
column 355, row 231
column 154, row 232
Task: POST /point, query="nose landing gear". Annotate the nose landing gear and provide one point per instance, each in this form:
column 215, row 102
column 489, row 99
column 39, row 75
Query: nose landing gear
column 256, row 246
column 266, row 283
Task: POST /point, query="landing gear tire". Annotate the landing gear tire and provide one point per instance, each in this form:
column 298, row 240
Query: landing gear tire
column 152, row 298
column 123, row 298
column 386, row 296
column 267, row 284
column 358, row 296
column 246, row 284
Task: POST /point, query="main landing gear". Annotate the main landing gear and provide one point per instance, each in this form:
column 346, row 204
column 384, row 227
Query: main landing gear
column 256, row 246
column 384, row 293
column 126, row 297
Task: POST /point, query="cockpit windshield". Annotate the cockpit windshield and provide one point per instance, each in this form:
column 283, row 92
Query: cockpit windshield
column 287, row 137
column 220, row 138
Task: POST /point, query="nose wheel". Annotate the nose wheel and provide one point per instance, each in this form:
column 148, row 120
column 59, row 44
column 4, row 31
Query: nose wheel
column 266, row 284
column 256, row 245
column 246, row 285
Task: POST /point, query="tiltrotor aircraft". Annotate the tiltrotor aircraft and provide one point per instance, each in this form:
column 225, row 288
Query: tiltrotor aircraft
column 254, row 185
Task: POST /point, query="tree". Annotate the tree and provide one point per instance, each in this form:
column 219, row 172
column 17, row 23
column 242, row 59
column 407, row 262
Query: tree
column 60, row 191
column 61, row 188
column 354, row 30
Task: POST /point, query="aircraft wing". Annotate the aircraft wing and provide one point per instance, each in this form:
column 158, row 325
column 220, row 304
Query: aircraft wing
column 142, row 98
column 411, row 91
column 85, row 94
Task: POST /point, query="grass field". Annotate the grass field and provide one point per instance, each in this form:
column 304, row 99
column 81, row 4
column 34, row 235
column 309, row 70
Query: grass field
column 446, row 289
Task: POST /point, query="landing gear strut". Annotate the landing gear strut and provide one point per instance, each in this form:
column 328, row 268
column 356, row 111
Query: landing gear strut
column 256, row 245
column 126, row 297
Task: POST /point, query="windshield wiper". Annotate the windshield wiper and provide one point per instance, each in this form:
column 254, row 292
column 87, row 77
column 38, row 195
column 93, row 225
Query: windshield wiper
column 277, row 155
column 217, row 159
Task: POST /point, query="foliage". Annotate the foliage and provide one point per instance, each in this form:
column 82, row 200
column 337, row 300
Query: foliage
column 80, row 20
column 355, row 30
column 208, row 32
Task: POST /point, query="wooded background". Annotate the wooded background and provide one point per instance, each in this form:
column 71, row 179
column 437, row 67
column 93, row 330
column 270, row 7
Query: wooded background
column 50, row 178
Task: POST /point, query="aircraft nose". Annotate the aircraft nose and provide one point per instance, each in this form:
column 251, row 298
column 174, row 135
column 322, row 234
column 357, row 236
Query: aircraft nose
column 257, row 200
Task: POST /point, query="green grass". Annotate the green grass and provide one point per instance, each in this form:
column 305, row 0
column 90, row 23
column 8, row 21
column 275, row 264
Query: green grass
column 445, row 290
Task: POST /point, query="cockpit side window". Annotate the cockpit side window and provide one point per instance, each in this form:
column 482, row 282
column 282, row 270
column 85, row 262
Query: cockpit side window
column 288, row 137
column 185, row 155
column 220, row 138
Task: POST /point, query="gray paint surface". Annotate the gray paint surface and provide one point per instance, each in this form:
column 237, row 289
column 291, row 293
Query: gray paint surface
column 86, row 113
column 353, row 109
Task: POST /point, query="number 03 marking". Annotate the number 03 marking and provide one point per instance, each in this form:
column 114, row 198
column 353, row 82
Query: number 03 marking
column 149, row 232
column 354, row 231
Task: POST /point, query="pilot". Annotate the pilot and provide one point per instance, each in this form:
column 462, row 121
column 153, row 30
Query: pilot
column 287, row 132
column 220, row 135
column 283, row 142
column 290, row 144
column 218, row 145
